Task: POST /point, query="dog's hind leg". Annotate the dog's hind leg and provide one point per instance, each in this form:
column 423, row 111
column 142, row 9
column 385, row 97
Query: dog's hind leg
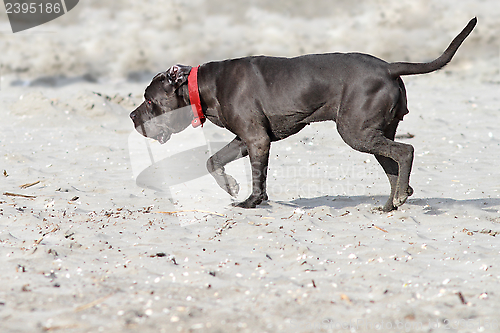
column 371, row 135
column 396, row 158
column 391, row 169
column 215, row 165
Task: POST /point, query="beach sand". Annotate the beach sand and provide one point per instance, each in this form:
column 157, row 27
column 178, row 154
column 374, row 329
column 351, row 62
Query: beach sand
column 113, row 232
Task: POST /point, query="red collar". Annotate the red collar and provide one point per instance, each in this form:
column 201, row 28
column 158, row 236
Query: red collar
column 194, row 98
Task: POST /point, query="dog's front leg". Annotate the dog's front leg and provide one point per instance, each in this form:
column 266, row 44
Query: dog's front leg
column 215, row 165
column 258, row 150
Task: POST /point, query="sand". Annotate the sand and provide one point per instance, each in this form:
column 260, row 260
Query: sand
column 112, row 232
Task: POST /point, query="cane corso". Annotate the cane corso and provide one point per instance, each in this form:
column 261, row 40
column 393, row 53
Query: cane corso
column 263, row 99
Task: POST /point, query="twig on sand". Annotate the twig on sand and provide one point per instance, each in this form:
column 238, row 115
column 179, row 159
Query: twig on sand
column 227, row 225
column 378, row 228
column 19, row 195
column 41, row 238
column 61, row 327
column 462, row 299
column 29, row 184
column 190, row 210
column 92, row 304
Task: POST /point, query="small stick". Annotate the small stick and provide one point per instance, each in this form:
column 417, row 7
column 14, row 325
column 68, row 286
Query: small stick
column 53, row 328
column 19, row 195
column 41, row 238
column 53, row 230
column 29, row 185
column 462, row 299
column 190, row 210
column 92, row 304
column 379, row 228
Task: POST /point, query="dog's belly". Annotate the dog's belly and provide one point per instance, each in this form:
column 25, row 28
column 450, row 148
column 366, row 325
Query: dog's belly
column 290, row 122
column 289, row 113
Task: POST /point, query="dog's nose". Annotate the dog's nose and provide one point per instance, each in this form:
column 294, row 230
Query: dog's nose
column 133, row 115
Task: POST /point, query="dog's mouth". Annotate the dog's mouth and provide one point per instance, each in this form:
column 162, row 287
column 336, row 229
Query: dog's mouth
column 163, row 137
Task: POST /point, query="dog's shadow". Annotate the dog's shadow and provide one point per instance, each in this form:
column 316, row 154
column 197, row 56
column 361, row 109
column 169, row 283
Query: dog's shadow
column 430, row 206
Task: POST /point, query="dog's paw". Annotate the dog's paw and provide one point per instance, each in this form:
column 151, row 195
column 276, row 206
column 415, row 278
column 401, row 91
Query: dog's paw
column 244, row 204
column 228, row 184
column 251, row 202
column 409, row 191
column 400, row 198
column 388, row 207
column 231, row 186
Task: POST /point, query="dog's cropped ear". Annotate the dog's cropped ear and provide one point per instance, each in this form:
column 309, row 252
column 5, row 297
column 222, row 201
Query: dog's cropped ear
column 177, row 75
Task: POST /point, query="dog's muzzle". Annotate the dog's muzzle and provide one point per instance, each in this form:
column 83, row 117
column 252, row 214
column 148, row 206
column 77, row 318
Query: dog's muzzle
column 163, row 137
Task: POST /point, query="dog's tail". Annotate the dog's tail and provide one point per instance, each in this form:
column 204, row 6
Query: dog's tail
column 405, row 68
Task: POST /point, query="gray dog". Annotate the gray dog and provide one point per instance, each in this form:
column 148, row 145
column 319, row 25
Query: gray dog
column 263, row 99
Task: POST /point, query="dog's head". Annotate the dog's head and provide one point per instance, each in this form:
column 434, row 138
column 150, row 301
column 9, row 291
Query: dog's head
column 163, row 111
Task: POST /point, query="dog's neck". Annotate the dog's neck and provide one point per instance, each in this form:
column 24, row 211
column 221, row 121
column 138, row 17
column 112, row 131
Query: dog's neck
column 183, row 96
column 210, row 113
column 194, row 98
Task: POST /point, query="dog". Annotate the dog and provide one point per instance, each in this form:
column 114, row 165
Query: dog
column 263, row 99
